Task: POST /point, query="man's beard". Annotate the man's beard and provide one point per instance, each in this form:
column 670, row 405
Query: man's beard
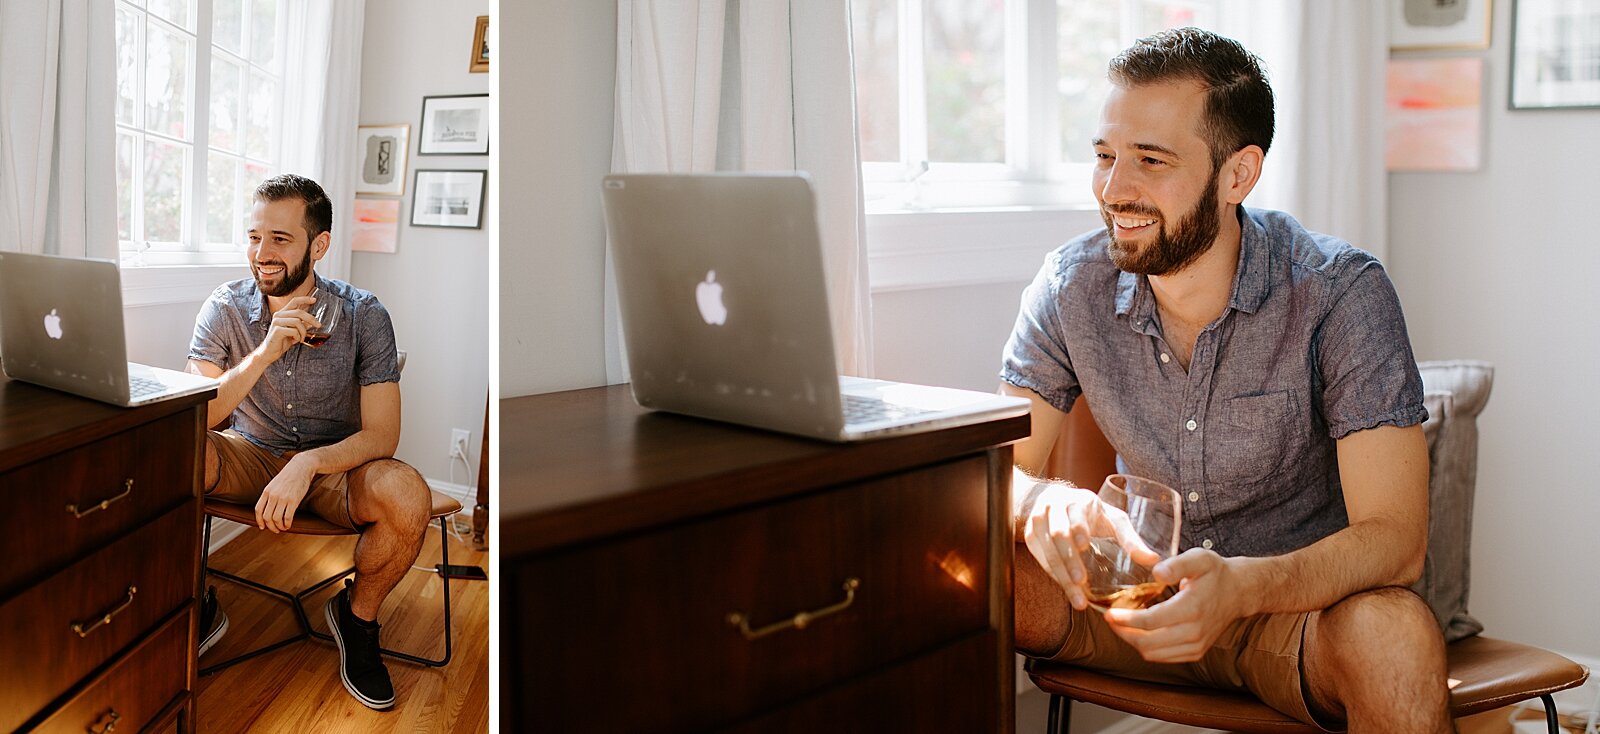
column 1172, row 250
column 292, row 277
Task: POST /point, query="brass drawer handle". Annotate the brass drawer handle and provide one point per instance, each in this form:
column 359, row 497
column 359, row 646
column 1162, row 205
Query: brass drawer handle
column 83, row 630
column 127, row 489
column 110, row 725
column 798, row 621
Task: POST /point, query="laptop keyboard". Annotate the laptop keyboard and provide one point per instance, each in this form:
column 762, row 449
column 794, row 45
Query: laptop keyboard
column 139, row 387
column 860, row 409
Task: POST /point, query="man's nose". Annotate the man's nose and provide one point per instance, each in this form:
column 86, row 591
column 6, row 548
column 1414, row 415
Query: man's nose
column 1119, row 184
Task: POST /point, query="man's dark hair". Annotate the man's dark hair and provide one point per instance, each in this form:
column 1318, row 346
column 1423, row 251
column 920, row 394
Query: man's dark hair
column 1238, row 110
column 319, row 211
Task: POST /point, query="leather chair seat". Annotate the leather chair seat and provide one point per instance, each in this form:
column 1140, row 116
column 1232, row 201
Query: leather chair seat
column 1485, row 674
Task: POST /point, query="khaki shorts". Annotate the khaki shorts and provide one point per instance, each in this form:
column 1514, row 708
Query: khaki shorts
column 244, row 469
column 1259, row 655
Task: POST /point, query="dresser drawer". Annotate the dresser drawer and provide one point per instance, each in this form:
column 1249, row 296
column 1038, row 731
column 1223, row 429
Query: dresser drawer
column 137, row 581
column 134, row 690
column 152, row 463
column 654, row 608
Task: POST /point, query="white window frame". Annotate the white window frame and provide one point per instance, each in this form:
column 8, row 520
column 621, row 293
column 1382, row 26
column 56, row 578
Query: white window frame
column 1034, row 175
column 193, row 248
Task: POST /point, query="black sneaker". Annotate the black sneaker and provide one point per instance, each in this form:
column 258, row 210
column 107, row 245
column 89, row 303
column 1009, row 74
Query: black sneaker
column 360, row 665
column 213, row 621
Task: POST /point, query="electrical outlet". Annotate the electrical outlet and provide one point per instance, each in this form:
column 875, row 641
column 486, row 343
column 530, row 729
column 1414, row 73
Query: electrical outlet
column 460, row 439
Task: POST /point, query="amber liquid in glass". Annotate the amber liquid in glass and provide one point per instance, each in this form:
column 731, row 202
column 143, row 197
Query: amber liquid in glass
column 1138, row 596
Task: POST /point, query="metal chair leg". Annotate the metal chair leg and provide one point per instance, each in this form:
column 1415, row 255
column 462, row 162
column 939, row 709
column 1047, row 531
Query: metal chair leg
column 444, row 546
column 1551, row 719
column 296, row 602
column 1060, row 715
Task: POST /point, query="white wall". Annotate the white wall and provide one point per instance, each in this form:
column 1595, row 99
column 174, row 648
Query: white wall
column 1503, row 264
column 552, row 235
column 435, row 285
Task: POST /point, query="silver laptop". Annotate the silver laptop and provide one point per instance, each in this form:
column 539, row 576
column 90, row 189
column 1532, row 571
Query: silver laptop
column 725, row 313
column 61, row 327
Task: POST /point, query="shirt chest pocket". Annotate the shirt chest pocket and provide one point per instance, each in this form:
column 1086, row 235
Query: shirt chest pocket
column 1256, row 436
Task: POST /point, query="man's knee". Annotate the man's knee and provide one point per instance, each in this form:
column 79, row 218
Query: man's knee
column 394, row 490
column 1384, row 620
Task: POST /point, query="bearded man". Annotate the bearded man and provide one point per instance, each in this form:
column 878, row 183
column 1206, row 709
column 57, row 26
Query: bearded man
column 1264, row 372
column 313, row 425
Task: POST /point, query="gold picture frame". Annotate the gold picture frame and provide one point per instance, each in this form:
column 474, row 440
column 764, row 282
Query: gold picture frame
column 1426, row 25
column 480, row 47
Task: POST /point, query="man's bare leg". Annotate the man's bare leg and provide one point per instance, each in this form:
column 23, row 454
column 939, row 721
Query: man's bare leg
column 392, row 501
column 1039, row 614
column 1376, row 660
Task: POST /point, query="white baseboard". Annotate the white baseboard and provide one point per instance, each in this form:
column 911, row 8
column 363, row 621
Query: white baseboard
column 224, row 531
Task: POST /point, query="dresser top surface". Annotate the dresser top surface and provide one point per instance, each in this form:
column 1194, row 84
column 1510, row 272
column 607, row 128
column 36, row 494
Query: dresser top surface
column 38, row 421
column 591, row 461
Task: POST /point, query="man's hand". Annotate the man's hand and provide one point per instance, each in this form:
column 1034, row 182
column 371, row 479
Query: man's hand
column 282, row 496
column 1212, row 593
column 1057, row 531
column 289, row 326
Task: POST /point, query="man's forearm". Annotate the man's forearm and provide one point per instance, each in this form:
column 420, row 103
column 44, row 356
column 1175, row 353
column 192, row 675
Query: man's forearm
column 236, row 383
column 361, row 447
column 1363, row 556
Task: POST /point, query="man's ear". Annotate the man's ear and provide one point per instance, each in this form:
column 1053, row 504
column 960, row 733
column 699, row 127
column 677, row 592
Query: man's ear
column 319, row 246
column 1240, row 173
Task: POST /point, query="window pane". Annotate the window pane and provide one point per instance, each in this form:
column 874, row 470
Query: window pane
column 226, row 83
column 125, row 147
column 1087, row 41
column 222, row 175
column 964, row 49
column 875, row 26
column 263, row 32
column 259, row 116
column 254, row 174
column 127, row 65
column 176, row 12
column 164, row 164
column 227, row 24
column 167, row 83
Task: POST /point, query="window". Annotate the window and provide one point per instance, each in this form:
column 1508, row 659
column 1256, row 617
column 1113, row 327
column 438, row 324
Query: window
column 986, row 103
column 198, row 111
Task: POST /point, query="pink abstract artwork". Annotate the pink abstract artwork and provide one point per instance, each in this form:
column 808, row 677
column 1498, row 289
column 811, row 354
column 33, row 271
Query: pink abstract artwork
column 1434, row 115
column 377, row 225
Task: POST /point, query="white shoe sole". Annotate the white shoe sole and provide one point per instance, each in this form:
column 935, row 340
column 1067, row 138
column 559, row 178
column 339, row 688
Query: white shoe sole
column 333, row 626
column 216, row 635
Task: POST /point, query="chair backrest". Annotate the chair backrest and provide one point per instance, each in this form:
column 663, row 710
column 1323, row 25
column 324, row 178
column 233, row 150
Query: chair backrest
column 1455, row 393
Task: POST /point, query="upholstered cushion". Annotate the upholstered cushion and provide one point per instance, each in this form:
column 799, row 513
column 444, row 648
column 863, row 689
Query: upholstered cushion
column 1455, row 393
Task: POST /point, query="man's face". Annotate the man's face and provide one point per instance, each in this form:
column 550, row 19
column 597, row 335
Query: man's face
column 280, row 255
column 1153, row 177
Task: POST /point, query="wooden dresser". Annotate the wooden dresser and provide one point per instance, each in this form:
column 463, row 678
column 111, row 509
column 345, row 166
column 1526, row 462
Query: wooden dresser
column 101, row 541
column 634, row 543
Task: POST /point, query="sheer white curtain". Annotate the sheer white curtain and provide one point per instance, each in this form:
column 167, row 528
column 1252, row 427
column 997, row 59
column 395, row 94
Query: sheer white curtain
column 1327, row 63
column 754, row 85
column 322, row 108
column 58, row 190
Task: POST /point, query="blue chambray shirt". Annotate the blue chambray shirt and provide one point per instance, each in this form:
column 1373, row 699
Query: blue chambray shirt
column 310, row 397
column 1311, row 347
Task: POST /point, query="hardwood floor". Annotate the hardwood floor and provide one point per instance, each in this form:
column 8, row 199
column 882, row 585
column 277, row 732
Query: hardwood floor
column 298, row 689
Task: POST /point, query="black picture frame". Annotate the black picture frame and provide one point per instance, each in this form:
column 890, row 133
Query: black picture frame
column 1542, row 77
column 449, row 198
column 455, row 124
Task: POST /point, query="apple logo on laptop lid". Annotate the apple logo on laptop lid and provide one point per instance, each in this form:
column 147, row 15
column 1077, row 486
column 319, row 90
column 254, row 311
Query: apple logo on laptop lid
column 52, row 324
column 708, row 295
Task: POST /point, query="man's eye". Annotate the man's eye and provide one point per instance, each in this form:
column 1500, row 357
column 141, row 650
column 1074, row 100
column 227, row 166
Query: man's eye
column 1154, row 161
column 1103, row 156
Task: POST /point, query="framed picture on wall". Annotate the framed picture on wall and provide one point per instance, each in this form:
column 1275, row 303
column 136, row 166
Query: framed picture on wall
column 455, row 125
column 1438, row 24
column 480, row 47
column 1555, row 54
column 449, row 199
column 382, row 150
column 377, row 225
